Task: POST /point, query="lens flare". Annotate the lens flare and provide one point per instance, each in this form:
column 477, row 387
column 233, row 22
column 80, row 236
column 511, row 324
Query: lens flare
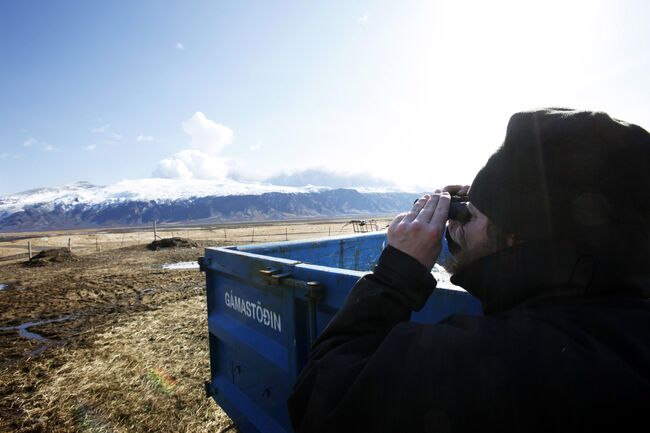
column 163, row 380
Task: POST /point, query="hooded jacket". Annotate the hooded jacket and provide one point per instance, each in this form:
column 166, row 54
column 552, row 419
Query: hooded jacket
column 564, row 345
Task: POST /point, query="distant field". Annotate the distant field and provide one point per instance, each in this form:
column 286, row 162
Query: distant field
column 15, row 245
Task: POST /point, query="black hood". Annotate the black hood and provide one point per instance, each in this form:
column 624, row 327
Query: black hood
column 563, row 173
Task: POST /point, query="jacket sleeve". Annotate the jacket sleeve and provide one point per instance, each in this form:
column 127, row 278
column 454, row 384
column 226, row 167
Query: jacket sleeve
column 377, row 302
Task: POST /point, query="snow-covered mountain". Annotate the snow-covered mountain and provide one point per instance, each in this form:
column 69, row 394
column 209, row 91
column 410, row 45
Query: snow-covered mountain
column 135, row 202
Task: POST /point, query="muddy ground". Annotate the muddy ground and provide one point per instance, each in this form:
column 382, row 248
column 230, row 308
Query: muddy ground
column 113, row 342
column 127, row 350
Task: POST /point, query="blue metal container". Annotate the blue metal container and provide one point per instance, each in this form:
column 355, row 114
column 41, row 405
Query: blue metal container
column 268, row 302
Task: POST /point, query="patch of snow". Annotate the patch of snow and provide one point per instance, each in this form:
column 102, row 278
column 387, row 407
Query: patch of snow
column 3, row 286
column 442, row 276
column 83, row 193
column 181, row 265
column 385, row 190
column 151, row 189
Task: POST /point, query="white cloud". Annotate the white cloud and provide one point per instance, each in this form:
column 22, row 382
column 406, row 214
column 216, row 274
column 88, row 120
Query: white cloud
column 257, row 145
column 363, row 20
column 327, row 177
column 207, row 136
column 30, row 142
column 101, row 129
column 202, row 161
column 116, row 136
column 180, row 46
column 142, row 137
column 50, row 148
column 4, row 155
column 90, row 147
column 192, row 163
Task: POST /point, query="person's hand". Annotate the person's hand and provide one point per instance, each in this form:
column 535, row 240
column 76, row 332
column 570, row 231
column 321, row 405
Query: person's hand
column 419, row 232
column 461, row 190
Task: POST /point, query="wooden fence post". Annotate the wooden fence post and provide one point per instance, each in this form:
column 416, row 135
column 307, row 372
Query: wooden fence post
column 97, row 247
column 155, row 235
column 286, row 234
column 70, row 244
column 253, row 236
column 29, row 247
column 225, row 235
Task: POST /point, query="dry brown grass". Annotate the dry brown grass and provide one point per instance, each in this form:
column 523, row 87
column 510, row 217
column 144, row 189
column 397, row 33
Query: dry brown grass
column 143, row 375
column 140, row 376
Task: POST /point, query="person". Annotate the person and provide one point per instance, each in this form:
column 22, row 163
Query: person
column 558, row 252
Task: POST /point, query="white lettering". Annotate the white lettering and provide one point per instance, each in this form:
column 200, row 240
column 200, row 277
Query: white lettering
column 277, row 322
column 255, row 311
column 267, row 317
column 258, row 312
column 248, row 309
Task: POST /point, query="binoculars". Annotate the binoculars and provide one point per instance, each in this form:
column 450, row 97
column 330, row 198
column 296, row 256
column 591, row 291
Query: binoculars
column 458, row 209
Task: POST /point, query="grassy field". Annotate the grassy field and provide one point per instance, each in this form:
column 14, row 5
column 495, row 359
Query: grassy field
column 121, row 343
column 15, row 245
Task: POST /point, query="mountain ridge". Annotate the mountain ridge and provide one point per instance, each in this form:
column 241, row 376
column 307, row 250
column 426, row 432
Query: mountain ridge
column 83, row 205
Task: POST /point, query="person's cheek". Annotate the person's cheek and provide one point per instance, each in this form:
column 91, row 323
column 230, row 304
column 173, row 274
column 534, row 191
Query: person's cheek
column 469, row 231
column 462, row 236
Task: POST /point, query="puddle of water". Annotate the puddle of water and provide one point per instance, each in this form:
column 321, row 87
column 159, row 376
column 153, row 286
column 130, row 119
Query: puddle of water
column 3, row 286
column 181, row 265
column 25, row 333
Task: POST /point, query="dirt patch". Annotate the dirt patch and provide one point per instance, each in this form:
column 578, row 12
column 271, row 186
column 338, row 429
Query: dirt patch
column 56, row 255
column 92, row 287
column 172, row 243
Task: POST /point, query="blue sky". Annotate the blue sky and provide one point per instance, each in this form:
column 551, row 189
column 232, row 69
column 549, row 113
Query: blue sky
column 417, row 92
